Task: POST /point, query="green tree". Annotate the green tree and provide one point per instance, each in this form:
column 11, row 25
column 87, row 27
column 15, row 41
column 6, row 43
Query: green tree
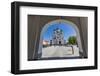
column 72, row 40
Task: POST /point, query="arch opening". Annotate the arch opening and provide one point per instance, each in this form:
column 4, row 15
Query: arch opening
column 59, row 39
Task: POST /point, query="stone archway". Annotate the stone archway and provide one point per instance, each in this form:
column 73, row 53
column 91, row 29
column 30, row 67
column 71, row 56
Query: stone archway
column 56, row 21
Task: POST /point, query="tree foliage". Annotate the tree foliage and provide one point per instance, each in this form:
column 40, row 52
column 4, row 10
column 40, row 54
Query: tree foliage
column 72, row 40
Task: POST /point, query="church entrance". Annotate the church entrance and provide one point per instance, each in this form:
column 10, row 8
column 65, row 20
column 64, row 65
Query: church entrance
column 60, row 42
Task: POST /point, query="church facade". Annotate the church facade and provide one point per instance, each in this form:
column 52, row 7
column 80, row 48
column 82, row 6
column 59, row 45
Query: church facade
column 57, row 37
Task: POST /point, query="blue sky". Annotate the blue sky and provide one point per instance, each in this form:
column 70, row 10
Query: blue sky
column 68, row 31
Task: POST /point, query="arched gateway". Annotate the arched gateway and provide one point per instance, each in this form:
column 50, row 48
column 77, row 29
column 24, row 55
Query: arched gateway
column 46, row 26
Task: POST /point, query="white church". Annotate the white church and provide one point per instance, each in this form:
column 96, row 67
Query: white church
column 57, row 37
